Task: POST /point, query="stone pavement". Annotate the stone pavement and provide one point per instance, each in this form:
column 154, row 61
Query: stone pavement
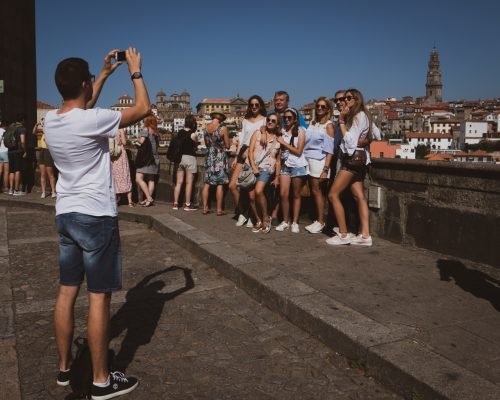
column 187, row 332
column 425, row 324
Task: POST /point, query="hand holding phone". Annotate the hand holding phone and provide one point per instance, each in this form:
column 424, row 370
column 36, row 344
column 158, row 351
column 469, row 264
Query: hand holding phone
column 120, row 56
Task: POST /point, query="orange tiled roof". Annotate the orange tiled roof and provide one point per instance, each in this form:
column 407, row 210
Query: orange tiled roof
column 44, row 106
column 438, row 157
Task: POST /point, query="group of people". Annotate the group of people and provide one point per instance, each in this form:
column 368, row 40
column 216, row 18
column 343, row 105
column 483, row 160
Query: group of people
column 285, row 153
column 18, row 160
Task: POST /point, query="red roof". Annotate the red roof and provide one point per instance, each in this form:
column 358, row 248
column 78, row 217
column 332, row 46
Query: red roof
column 416, row 135
column 438, row 157
column 44, row 106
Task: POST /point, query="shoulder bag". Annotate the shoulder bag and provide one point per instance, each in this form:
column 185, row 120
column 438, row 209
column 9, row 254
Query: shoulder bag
column 246, row 178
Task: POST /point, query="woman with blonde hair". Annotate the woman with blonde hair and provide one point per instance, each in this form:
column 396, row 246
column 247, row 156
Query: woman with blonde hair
column 355, row 124
column 318, row 152
column 145, row 175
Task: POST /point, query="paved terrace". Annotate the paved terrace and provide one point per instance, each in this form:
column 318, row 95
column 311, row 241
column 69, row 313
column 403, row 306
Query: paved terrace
column 425, row 324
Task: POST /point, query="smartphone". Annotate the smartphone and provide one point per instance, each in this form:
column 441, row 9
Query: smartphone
column 120, row 56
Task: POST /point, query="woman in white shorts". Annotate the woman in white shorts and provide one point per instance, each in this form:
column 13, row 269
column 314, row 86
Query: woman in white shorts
column 188, row 165
column 293, row 168
column 318, row 152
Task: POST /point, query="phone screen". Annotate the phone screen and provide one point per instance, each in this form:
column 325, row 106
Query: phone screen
column 120, row 56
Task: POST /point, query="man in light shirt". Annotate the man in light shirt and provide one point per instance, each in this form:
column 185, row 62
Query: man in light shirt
column 86, row 215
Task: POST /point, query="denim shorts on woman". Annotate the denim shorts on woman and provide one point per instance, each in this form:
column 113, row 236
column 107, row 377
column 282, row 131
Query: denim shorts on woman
column 264, row 176
column 89, row 246
column 4, row 156
column 293, row 172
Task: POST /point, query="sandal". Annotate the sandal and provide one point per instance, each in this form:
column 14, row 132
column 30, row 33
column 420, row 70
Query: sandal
column 266, row 228
column 257, row 227
column 149, row 203
column 131, row 204
column 220, row 213
column 206, row 211
column 142, row 202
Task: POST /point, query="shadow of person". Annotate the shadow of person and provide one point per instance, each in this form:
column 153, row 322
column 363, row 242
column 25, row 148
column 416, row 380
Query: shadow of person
column 475, row 282
column 141, row 312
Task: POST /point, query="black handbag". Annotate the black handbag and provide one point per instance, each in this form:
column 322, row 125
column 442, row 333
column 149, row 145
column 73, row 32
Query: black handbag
column 145, row 155
column 356, row 160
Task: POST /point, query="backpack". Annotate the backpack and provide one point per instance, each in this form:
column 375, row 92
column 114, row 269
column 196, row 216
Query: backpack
column 115, row 149
column 10, row 137
column 174, row 152
column 80, row 375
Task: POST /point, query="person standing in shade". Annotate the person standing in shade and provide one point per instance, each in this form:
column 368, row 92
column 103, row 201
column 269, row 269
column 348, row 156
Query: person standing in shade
column 46, row 163
column 318, row 151
column 86, row 213
column 216, row 163
column 255, row 117
column 355, row 124
column 17, row 152
column 145, row 175
column 4, row 160
column 188, row 165
column 121, row 170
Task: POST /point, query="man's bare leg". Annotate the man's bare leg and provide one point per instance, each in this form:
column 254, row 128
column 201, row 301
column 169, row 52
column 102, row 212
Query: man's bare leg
column 64, row 323
column 98, row 325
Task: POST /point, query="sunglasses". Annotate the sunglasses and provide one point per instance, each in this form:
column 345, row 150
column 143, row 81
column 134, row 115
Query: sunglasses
column 254, row 105
column 321, row 106
column 288, row 118
column 349, row 98
column 272, row 120
column 338, row 100
column 91, row 78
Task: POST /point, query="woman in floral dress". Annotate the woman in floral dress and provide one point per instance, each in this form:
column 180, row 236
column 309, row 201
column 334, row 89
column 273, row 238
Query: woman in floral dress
column 216, row 163
column 121, row 170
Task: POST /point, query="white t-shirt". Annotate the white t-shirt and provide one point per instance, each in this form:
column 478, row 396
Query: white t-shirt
column 78, row 143
column 248, row 129
column 2, row 145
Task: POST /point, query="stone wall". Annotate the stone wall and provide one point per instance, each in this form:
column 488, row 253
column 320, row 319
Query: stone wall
column 451, row 208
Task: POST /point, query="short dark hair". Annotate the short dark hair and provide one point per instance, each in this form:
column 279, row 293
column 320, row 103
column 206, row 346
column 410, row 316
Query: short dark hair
column 70, row 73
column 190, row 122
column 282, row 93
column 338, row 91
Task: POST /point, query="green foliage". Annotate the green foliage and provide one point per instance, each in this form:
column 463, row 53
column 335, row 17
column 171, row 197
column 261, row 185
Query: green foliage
column 421, row 151
column 486, row 145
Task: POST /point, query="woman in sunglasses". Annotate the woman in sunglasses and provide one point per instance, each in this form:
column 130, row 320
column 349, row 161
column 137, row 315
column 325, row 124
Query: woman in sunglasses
column 356, row 128
column 263, row 156
column 318, row 152
column 255, row 117
column 293, row 168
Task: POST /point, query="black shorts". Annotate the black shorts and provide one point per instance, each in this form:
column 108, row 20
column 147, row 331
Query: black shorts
column 15, row 161
column 45, row 158
column 358, row 172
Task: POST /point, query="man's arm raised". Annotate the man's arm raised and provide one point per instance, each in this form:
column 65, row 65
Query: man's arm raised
column 142, row 104
column 107, row 69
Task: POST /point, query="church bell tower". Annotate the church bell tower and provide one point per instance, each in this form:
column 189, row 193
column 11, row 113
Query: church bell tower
column 434, row 86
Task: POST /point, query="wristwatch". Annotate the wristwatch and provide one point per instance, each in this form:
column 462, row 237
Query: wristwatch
column 136, row 75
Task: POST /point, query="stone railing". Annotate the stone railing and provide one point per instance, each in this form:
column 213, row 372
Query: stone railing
column 452, row 208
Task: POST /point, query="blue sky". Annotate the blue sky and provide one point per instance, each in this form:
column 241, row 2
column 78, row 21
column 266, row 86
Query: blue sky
column 220, row 48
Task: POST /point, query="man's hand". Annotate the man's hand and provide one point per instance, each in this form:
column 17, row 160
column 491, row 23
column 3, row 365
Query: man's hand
column 109, row 67
column 133, row 60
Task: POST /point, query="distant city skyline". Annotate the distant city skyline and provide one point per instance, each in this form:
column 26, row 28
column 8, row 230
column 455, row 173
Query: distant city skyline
column 223, row 48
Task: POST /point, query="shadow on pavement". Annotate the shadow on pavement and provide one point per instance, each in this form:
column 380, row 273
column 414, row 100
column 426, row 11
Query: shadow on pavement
column 475, row 282
column 141, row 312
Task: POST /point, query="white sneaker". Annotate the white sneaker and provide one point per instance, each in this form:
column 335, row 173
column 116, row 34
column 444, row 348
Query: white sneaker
column 295, row 228
column 361, row 241
column 43, row 195
column 283, row 226
column 241, row 220
column 53, row 195
column 310, row 225
column 316, row 228
column 338, row 240
column 19, row 193
column 249, row 223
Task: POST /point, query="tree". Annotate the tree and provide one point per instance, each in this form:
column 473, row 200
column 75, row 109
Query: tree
column 421, row 151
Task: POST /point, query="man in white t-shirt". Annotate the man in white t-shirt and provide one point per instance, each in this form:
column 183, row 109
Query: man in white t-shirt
column 86, row 215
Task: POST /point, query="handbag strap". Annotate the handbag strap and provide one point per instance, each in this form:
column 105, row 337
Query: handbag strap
column 266, row 154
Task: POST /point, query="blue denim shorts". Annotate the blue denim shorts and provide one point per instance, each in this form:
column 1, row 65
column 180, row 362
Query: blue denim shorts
column 89, row 246
column 263, row 176
column 293, row 172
